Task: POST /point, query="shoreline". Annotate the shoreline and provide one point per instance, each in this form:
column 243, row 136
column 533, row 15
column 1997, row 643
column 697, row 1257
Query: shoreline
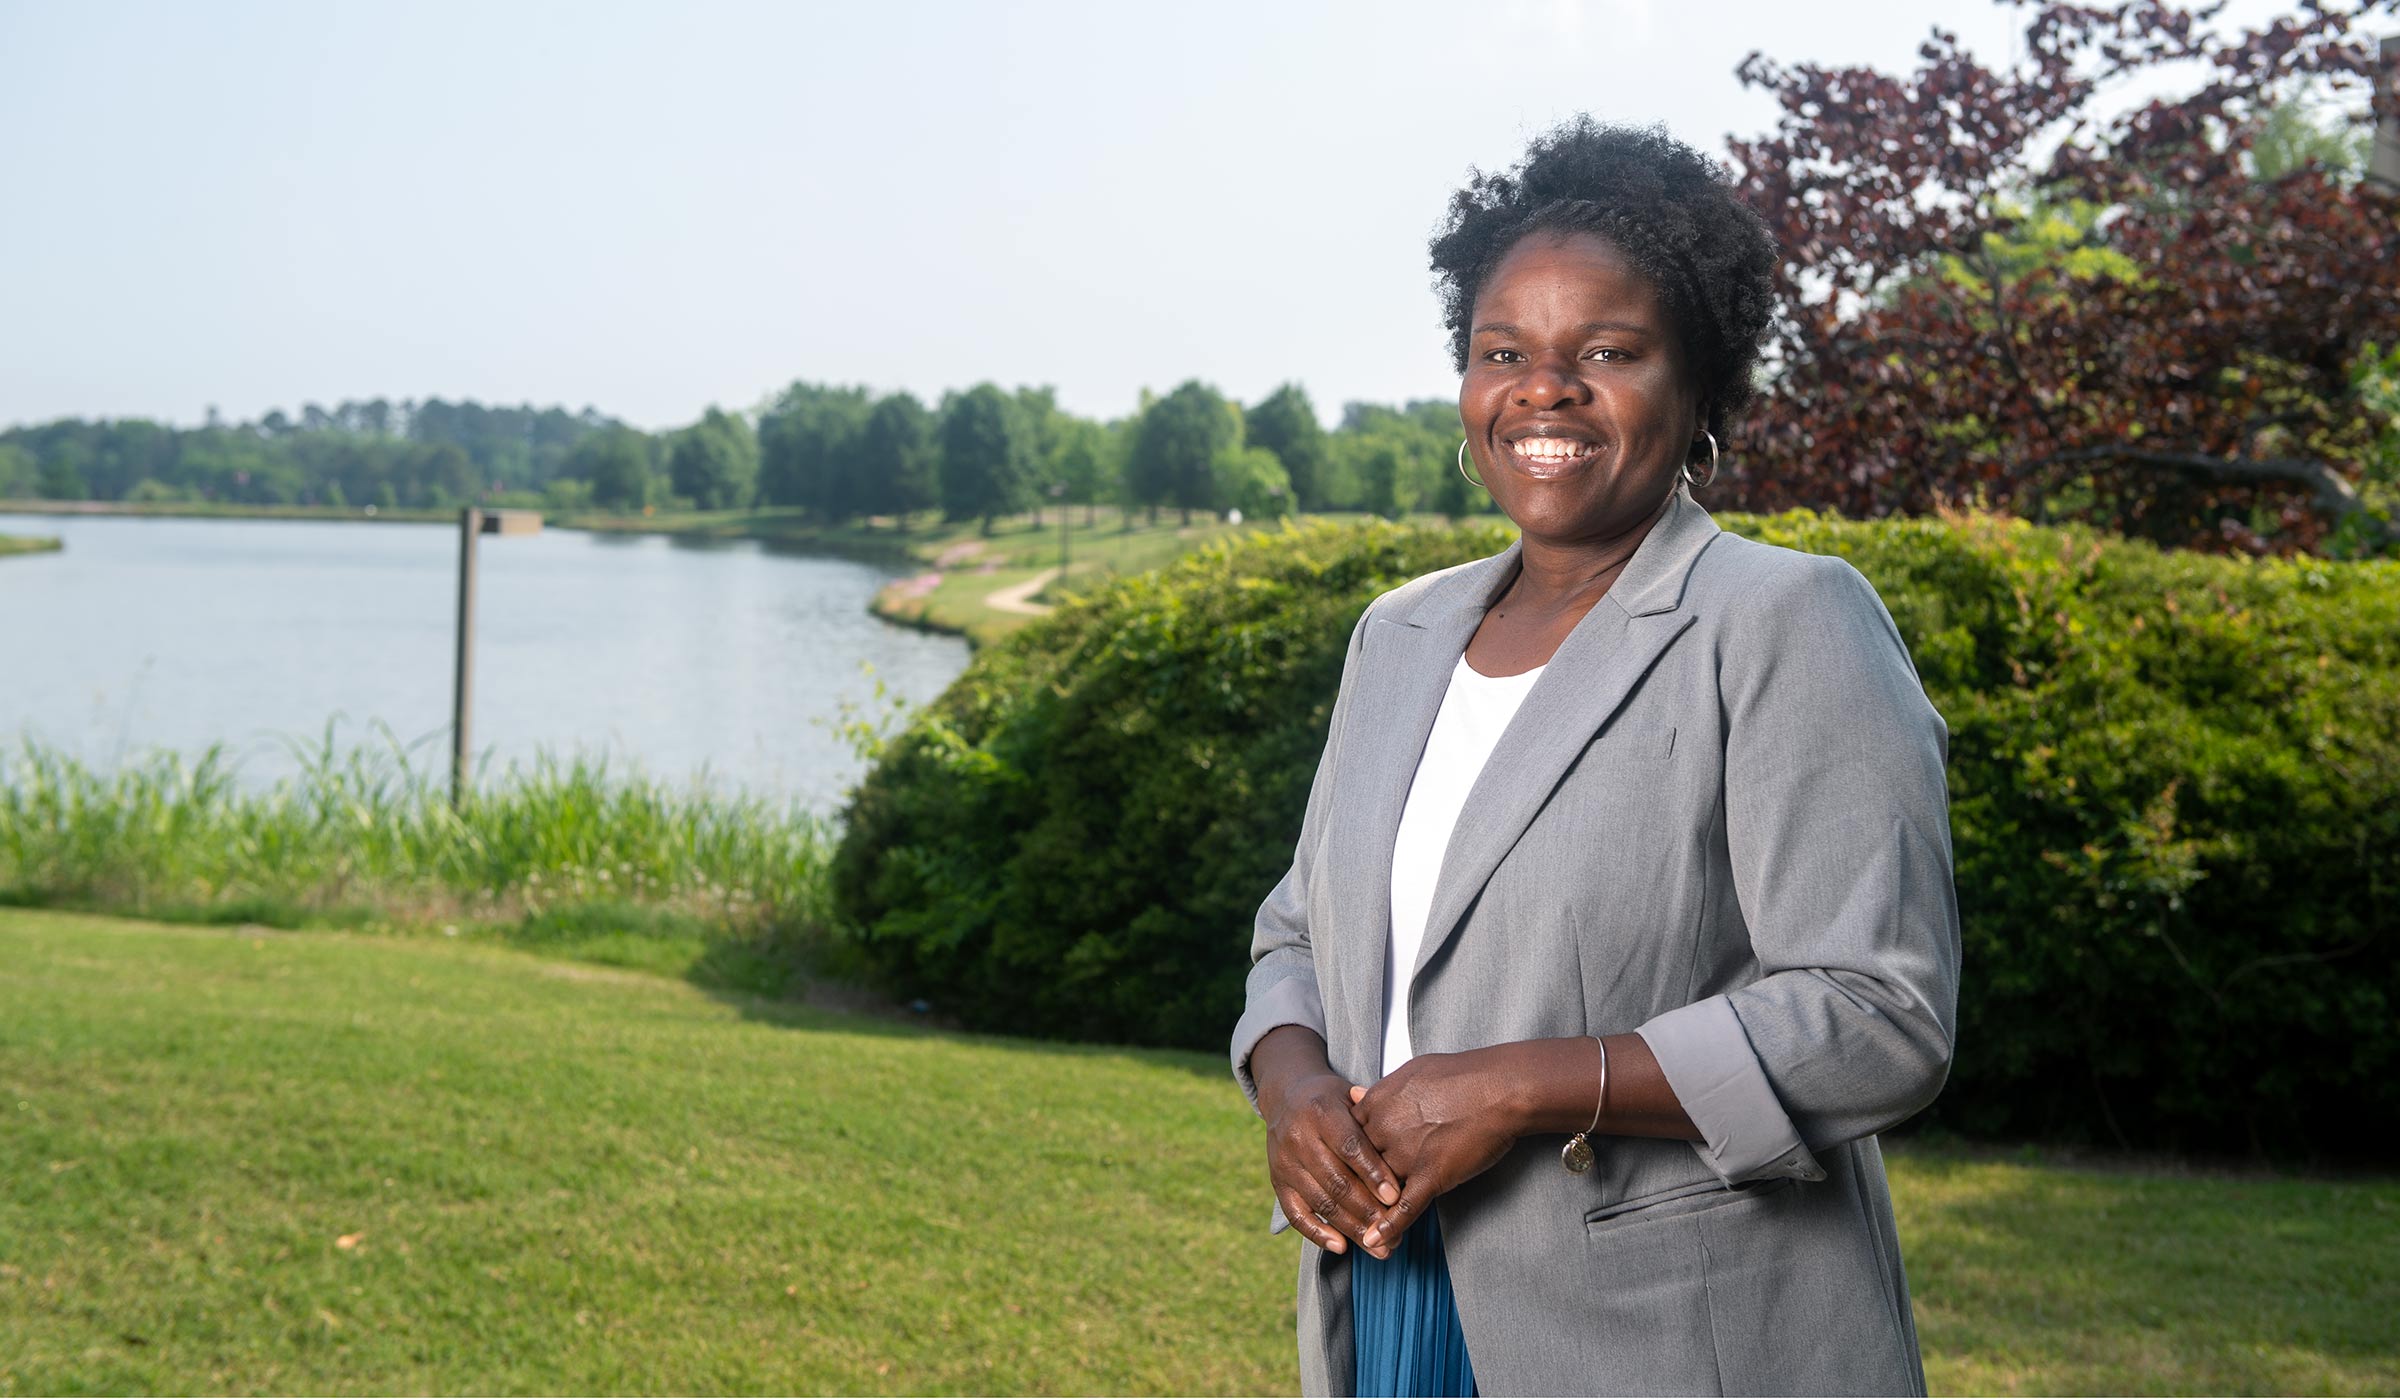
column 205, row 510
column 954, row 580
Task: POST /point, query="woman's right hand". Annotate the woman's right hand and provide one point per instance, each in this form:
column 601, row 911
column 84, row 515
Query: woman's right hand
column 1328, row 1177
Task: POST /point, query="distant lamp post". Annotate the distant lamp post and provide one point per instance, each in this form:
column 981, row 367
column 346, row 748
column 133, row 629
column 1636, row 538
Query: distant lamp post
column 2384, row 163
column 473, row 521
column 1058, row 493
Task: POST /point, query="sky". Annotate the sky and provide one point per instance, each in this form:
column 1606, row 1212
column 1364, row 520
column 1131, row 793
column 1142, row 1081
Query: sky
column 654, row 208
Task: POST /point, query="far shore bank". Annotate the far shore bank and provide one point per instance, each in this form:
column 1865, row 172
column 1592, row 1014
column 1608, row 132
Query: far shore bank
column 211, row 510
column 960, row 581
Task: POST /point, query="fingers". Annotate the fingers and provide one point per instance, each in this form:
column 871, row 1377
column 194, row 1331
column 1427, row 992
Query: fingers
column 1320, row 1234
column 1333, row 1191
column 1366, row 1163
column 1385, row 1234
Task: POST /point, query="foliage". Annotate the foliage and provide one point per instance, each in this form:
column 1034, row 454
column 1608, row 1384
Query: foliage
column 896, row 456
column 1090, row 463
column 837, row 453
column 807, row 439
column 2150, row 753
column 430, row 453
column 616, row 462
column 986, row 456
column 18, row 471
column 1175, row 444
column 714, row 463
column 1388, row 461
column 2173, row 357
column 1285, row 423
column 1067, row 840
column 1252, row 481
column 361, row 833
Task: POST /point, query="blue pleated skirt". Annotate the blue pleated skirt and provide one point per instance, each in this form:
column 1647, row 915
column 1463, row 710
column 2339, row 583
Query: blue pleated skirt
column 1405, row 1319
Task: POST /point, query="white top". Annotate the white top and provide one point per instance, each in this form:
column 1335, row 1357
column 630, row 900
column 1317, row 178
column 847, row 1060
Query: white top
column 1474, row 711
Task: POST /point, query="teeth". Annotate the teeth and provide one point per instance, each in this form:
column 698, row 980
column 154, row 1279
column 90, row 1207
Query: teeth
column 1552, row 448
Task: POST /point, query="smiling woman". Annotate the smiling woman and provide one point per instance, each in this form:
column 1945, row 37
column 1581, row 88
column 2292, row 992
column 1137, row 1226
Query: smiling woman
column 1621, row 918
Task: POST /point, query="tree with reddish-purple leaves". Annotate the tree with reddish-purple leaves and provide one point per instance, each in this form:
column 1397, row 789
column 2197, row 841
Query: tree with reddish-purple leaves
column 2005, row 285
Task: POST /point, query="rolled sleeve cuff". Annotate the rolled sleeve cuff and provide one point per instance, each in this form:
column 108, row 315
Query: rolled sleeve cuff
column 1707, row 1059
column 1290, row 1002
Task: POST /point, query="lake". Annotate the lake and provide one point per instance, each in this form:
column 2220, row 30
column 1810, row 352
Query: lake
column 723, row 662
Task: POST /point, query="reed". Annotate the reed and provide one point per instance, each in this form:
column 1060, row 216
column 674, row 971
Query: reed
column 364, row 835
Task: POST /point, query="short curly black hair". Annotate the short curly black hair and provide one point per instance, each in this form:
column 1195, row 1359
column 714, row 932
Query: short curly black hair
column 1668, row 209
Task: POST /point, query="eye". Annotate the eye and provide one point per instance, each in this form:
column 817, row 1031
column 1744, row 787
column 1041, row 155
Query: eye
column 1605, row 353
column 1501, row 357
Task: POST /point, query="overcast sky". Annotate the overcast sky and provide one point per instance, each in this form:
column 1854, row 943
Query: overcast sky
column 651, row 208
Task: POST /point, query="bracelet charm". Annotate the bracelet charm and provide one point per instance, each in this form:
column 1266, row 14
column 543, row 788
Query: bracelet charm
column 1577, row 1155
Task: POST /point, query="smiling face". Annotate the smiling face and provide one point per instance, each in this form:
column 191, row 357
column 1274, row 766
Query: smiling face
column 1577, row 406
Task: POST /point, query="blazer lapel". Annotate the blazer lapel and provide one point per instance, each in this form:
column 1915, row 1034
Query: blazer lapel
column 1410, row 658
column 1599, row 664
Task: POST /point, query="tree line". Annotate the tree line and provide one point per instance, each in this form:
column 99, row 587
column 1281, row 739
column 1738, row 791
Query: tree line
column 837, row 452
column 2178, row 319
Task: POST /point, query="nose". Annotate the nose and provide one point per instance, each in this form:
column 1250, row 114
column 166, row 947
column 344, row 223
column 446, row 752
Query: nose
column 1550, row 382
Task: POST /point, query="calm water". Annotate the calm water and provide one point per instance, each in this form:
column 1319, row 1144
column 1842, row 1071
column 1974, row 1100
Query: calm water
column 727, row 660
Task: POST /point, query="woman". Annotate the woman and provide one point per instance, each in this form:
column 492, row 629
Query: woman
column 1621, row 918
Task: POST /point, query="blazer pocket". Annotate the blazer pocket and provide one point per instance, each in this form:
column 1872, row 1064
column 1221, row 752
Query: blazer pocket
column 1680, row 1203
column 1635, row 749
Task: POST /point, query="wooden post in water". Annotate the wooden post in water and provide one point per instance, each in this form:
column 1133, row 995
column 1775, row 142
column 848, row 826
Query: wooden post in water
column 470, row 524
column 473, row 521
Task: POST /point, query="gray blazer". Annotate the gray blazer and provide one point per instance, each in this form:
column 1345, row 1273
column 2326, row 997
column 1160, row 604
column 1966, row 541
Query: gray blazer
column 1719, row 818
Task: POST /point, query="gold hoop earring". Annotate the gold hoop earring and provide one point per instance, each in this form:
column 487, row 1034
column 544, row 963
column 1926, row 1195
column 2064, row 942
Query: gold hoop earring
column 1699, row 482
column 1462, row 464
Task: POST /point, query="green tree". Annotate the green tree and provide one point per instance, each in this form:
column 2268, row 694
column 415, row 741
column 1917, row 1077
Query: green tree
column 1252, row 480
column 2288, row 136
column 985, row 469
column 60, row 481
column 1457, row 497
column 617, row 464
column 897, row 458
column 1044, row 426
column 1088, row 464
column 807, row 438
column 1285, row 423
column 715, row 462
column 1176, row 446
column 18, row 471
column 1423, row 439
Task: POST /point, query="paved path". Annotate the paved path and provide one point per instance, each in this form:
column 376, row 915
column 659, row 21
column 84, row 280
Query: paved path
column 1018, row 598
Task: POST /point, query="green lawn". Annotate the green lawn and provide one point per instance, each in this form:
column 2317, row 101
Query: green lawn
column 243, row 1160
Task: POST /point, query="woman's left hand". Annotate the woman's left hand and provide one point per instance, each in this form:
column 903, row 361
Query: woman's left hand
column 1439, row 1121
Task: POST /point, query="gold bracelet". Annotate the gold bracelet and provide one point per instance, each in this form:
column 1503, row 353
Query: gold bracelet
column 1577, row 1154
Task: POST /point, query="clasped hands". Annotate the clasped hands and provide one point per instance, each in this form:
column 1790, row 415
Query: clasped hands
column 1359, row 1164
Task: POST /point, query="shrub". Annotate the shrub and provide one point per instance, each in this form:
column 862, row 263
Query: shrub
column 2175, row 786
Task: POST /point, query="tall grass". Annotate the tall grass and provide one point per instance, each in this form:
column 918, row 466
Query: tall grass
column 361, row 835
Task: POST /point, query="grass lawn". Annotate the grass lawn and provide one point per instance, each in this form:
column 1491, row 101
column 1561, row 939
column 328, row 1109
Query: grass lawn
column 241, row 1160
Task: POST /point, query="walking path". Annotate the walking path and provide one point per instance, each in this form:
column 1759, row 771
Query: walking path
column 1018, row 598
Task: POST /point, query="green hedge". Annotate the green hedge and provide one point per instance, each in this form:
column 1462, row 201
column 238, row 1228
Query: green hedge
column 2175, row 785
